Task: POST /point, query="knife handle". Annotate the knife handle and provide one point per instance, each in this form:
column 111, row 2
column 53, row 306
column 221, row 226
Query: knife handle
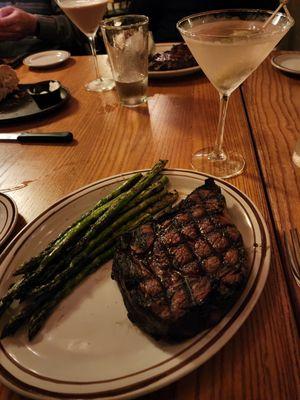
column 49, row 137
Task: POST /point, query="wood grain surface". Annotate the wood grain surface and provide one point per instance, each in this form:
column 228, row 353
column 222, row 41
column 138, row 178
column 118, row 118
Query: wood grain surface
column 261, row 362
column 272, row 101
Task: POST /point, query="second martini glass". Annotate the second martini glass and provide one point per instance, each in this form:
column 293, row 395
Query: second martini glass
column 87, row 15
column 229, row 45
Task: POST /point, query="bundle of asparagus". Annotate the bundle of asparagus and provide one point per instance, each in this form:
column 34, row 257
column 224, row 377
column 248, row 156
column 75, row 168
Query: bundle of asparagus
column 82, row 248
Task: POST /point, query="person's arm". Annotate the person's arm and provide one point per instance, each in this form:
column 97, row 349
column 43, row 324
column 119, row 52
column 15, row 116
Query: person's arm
column 55, row 29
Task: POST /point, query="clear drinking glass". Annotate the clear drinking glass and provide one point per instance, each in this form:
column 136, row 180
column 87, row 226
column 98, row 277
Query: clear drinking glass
column 126, row 42
column 87, row 15
column 229, row 45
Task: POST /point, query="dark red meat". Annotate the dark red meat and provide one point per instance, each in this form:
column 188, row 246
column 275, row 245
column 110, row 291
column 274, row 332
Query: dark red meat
column 177, row 58
column 180, row 275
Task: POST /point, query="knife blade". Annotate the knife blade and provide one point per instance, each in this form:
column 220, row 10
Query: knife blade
column 29, row 137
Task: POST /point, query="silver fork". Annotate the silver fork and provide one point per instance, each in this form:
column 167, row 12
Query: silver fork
column 292, row 245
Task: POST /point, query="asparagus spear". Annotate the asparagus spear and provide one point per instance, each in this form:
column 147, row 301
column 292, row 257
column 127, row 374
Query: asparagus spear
column 155, row 187
column 123, row 201
column 151, row 213
column 19, row 319
column 103, row 203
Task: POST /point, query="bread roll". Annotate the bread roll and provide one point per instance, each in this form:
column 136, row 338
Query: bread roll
column 8, row 81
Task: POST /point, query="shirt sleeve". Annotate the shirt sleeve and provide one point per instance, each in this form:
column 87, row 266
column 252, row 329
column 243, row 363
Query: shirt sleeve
column 54, row 28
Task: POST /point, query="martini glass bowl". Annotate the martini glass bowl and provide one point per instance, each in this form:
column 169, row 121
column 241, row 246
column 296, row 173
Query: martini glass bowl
column 229, row 45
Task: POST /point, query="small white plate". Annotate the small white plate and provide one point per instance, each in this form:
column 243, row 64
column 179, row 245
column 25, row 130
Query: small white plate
column 8, row 216
column 162, row 47
column 46, row 58
column 287, row 62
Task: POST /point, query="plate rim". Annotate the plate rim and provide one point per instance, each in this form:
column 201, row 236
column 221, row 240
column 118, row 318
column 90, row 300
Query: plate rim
column 174, row 72
column 26, row 60
column 282, row 68
column 8, row 228
column 247, row 305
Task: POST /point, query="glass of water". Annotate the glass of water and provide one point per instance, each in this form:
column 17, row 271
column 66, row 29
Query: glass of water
column 126, row 42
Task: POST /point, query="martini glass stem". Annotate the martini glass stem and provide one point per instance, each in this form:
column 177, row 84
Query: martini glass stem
column 94, row 53
column 218, row 152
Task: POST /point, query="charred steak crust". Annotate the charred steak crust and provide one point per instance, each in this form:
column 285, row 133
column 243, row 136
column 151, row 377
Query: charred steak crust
column 180, row 275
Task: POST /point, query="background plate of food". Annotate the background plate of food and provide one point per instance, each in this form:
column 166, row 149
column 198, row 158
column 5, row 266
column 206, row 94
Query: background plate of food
column 20, row 102
column 171, row 60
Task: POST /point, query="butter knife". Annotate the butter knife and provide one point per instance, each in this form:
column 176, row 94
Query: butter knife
column 28, row 137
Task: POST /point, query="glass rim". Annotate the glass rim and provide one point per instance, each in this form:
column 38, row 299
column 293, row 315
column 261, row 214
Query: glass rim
column 230, row 10
column 144, row 20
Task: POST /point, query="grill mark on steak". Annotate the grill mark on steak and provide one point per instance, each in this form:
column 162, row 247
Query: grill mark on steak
column 180, row 274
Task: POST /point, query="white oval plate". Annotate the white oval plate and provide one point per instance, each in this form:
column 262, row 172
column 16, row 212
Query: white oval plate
column 46, row 58
column 88, row 347
column 287, row 62
column 8, row 217
column 160, row 48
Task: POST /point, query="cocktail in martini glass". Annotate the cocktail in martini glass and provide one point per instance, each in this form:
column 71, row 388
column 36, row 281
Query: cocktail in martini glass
column 87, row 15
column 229, row 45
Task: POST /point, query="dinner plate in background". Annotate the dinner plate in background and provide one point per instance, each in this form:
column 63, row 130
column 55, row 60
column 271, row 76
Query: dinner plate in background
column 20, row 105
column 92, row 350
column 287, row 62
column 46, row 59
column 161, row 48
column 8, row 217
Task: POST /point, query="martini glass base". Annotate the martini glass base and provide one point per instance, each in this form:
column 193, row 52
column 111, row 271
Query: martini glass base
column 230, row 165
column 100, row 85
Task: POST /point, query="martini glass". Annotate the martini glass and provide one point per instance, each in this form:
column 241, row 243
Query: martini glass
column 229, row 45
column 87, row 15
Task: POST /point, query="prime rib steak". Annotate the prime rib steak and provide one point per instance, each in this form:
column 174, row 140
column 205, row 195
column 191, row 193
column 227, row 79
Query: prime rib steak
column 179, row 275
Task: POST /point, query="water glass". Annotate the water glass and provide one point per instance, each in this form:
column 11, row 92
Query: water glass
column 126, row 42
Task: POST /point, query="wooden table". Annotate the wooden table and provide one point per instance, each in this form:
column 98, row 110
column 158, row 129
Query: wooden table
column 261, row 362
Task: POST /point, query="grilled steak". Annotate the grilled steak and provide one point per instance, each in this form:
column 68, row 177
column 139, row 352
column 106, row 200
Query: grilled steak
column 181, row 274
column 177, row 58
